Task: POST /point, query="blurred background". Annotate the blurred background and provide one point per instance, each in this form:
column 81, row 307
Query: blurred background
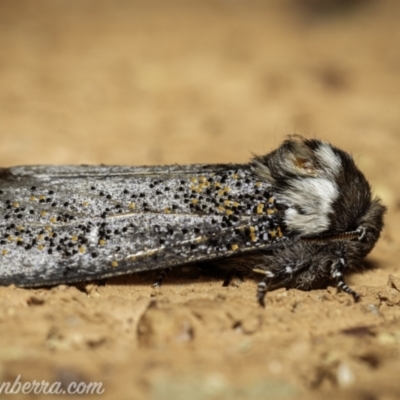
column 201, row 81
column 155, row 81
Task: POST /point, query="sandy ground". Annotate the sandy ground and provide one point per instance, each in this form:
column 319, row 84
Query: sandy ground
column 153, row 82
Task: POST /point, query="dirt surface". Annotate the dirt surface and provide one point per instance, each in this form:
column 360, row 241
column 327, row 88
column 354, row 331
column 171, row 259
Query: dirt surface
column 153, row 82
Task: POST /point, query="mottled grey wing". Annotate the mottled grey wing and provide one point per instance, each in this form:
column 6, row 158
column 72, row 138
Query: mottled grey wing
column 75, row 223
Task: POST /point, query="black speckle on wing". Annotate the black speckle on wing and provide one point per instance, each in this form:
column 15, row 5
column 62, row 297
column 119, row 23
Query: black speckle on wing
column 66, row 224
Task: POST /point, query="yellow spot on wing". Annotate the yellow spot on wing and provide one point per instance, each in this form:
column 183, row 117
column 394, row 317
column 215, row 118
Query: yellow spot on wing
column 32, row 198
column 10, row 238
column 270, row 211
column 74, row 238
column 271, row 200
column 260, row 208
column 4, row 252
column 43, row 213
column 280, row 234
column 253, row 236
column 200, row 189
column 102, row 242
column 41, row 247
column 53, row 220
column 132, row 206
column 16, row 204
column 272, row 233
column 42, row 197
column 114, row 264
column 234, row 247
column 195, row 201
column 82, row 249
column 203, row 182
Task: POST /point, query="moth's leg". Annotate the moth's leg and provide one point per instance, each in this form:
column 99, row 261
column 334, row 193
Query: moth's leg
column 337, row 274
column 262, row 289
column 263, row 286
column 278, row 273
column 160, row 277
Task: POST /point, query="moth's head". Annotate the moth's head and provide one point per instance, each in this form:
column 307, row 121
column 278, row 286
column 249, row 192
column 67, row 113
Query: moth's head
column 322, row 189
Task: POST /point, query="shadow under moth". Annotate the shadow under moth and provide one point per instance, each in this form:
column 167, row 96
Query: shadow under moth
column 299, row 217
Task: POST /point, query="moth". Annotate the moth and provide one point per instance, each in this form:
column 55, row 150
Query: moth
column 299, row 217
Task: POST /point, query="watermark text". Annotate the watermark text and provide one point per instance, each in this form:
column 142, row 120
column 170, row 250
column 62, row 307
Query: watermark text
column 44, row 387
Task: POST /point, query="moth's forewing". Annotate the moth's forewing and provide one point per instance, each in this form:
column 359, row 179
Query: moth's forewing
column 67, row 224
